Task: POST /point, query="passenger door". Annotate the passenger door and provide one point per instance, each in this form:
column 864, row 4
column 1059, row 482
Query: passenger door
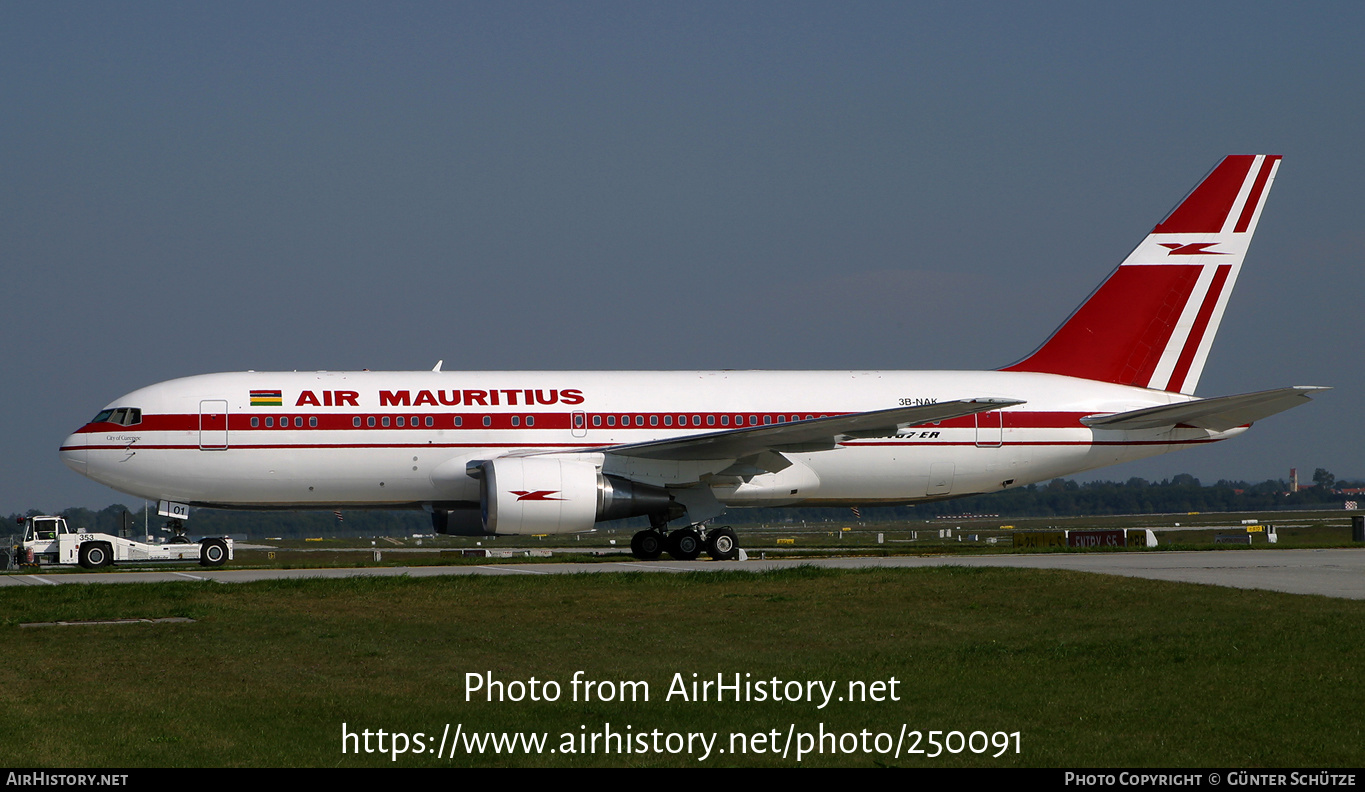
column 213, row 424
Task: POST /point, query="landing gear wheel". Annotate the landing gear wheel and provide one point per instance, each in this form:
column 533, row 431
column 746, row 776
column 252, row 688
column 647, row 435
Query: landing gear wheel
column 94, row 555
column 177, row 529
column 212, row 552
column 684, row 544
column 647, row 545
column 722, row 545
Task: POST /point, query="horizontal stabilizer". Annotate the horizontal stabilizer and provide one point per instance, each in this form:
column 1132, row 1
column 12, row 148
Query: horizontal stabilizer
column 1218, row 414
column 809, row 435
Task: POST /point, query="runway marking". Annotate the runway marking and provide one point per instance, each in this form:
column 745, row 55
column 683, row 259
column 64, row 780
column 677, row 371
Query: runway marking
column 657, row 567
column 191, row 577
column 509, row 570
column 41, row 580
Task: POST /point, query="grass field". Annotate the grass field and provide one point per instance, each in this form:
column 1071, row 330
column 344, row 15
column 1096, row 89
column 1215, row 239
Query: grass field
column 1089, row 670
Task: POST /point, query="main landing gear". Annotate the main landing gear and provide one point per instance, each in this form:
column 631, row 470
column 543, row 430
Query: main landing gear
column 685, row 544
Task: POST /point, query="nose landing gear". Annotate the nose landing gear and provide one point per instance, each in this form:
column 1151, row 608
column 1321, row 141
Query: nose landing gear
column 177, row 529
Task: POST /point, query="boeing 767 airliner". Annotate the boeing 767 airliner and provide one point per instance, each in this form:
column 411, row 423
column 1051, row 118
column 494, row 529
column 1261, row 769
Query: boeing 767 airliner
column 516, row 452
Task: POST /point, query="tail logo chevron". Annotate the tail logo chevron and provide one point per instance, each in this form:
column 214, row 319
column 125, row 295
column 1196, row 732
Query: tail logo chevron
column 1192, row 249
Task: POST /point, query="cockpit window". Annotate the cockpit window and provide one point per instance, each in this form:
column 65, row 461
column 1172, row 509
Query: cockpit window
column 123, row 416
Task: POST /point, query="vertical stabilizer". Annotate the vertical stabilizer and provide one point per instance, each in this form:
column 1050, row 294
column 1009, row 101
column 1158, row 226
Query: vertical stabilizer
column 1151, row 323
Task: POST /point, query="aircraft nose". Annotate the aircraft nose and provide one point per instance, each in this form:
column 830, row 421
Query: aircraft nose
column 73, row 453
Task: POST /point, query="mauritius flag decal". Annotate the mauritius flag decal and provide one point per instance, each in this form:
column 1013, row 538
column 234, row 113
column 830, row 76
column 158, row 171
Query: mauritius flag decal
column 267, row 398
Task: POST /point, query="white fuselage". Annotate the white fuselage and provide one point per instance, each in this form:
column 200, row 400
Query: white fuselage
column 403, row 439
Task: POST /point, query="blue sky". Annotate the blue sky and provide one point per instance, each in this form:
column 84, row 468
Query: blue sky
column 188, row 188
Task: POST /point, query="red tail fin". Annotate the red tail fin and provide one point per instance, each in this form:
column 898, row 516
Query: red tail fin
column 1152, row 322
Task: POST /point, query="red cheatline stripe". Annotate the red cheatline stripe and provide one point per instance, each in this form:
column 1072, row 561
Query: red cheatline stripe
column 1201, row 323
column 1204, row 210
column 298, row 446
column 1254, row 198
column 240, row 424
column 857, row 443
column 1041, row 443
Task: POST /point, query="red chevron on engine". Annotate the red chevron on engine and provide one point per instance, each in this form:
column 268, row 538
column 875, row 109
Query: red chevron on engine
column 537, row 495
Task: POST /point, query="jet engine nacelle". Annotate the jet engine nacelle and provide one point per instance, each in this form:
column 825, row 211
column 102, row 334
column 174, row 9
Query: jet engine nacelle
column 531, row 495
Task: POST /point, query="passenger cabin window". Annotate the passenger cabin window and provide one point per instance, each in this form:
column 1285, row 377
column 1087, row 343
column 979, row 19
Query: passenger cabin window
column 269, row 422
column 255, row 422
column 516, row 420
column 312, row 421
column 385, row 421
column 597, row 420
column 431, row 421
column 370, row 422
column 298, row 421
column 530, row 420
column 399, row 422
column 488, row 420
column 356, row 422
column 459, row 420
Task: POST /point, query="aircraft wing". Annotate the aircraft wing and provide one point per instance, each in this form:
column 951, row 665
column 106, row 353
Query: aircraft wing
column 815, row 434
column 1218, row 414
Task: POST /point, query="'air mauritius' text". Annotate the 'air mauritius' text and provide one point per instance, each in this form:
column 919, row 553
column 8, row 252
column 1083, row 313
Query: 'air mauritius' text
column 512, row 397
